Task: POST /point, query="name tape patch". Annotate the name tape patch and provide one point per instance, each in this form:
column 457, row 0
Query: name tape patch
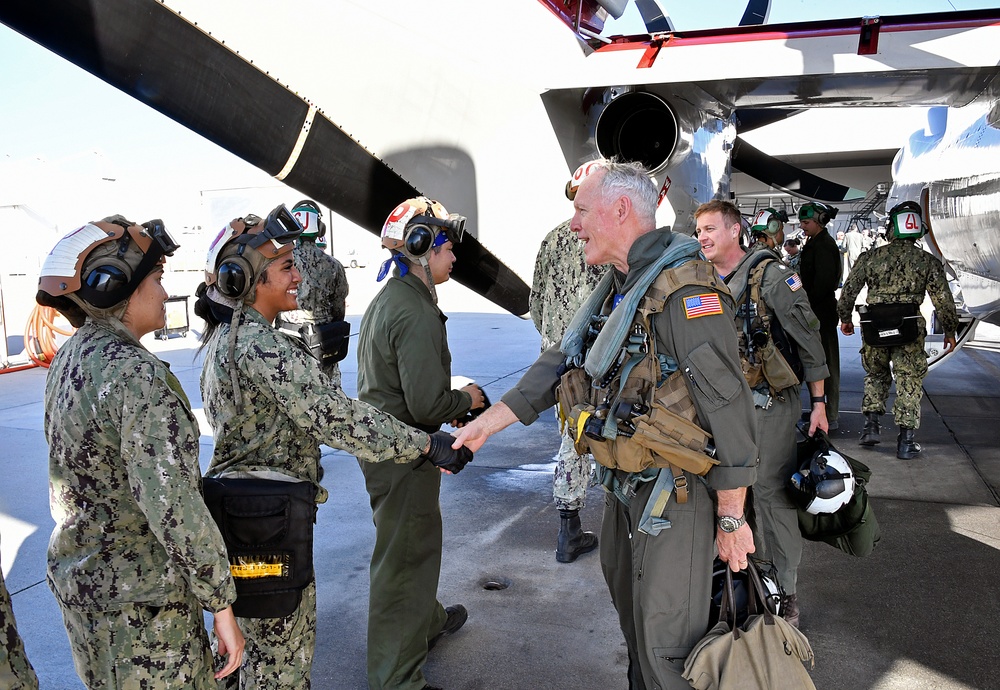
column 702, row 305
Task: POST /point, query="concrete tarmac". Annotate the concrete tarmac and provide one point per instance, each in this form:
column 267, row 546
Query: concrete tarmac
column 919, row 612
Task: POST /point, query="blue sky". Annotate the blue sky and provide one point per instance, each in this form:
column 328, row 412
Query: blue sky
column 56, row 117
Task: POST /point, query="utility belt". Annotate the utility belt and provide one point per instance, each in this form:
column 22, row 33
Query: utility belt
column 889, row 325
column 328, row 342
column 625, row 485
column 267, row 526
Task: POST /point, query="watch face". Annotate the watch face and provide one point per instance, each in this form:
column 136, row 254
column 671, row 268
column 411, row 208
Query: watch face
column 729, row 524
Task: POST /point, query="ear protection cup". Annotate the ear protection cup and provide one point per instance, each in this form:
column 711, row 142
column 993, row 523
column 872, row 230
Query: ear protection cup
column 111, row 275
column 773, row 226
column 417, row 240
column 822, row 215
column 322, row 230
column 235, row 277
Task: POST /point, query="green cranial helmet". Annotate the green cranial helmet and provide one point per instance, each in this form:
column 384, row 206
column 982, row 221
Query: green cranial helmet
column 821, row 213
column 906, row 221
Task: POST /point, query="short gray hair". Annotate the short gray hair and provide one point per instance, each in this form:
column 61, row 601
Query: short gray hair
column 631, row 180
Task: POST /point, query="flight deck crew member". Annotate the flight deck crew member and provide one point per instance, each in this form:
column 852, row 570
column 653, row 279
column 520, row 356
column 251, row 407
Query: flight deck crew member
column 322, row 292
column 694, row 339
column 820, row 269
column 898, row 273
column 782, row 315
column 271, row 405
column 16, row 672
column 561, row 282
column 135, row 556
column 404, row 369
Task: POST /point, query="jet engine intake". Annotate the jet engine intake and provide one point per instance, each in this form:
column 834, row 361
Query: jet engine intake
column 637, row 127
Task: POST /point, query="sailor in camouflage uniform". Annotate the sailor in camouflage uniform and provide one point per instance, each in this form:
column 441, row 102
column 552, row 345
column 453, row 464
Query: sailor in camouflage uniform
column 271, row 405
column 899, row 272
column 793, row 329
column 561, row 282
column 322, row 293
column 135, row 555
column 16, row 672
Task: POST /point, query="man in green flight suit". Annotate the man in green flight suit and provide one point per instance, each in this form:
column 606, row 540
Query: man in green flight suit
column 781, row 315
column 404, row 369
column 898, row 273
column 693, row 342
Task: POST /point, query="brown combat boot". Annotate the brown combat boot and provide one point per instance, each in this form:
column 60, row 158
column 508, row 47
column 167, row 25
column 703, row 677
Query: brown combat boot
column 790, row 610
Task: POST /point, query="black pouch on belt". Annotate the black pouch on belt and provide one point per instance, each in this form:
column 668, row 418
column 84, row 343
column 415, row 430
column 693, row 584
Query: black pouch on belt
column 268, row 529
column 889, row 325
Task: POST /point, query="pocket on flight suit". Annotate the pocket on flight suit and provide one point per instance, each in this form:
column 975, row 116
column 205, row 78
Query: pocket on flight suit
column 710, row 376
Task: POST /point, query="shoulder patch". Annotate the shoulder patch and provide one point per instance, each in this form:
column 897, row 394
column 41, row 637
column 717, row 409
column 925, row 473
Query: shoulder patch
column 702, row 305
column 781, row 266
column 793, row 282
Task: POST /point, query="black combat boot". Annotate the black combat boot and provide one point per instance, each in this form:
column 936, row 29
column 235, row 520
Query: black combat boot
column 906, row 446
column 870, row 435
column 572, row 540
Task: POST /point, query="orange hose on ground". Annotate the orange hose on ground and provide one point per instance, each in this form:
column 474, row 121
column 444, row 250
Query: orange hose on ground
column 40, row 335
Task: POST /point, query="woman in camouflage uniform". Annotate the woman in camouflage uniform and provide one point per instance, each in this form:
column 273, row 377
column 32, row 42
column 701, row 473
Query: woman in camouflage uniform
column 135, row 556
column 271, row 405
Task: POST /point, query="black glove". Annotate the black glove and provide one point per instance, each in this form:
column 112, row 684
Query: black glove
column 444, row 456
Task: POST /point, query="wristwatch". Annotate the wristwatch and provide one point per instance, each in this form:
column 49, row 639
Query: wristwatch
column 817, row 399
column 729, row 524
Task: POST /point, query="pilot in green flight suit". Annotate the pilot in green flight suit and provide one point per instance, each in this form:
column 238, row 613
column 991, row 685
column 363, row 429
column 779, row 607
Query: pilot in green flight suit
column 404, row 369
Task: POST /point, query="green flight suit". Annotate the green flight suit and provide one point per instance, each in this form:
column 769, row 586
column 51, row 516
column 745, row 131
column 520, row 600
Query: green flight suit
column 820, row 269
column 661, row 586
column 776, row 529
column 898, row 273
column 290, row 406
column 404, row 369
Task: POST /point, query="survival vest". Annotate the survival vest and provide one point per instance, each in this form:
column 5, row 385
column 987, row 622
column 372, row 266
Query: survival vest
column 767, row 355
column 640, row 414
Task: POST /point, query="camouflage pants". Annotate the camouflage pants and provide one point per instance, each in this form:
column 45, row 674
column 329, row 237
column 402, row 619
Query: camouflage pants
column 16, row 672
column 142, row 647
column 279, row 651
column 572, row 475
column 909, row 367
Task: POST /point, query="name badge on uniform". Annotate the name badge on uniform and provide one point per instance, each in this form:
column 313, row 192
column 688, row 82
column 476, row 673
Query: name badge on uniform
column 702, row 305
column 793, row 282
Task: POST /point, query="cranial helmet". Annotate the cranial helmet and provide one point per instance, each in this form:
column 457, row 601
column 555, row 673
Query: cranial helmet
column 906, row 221
column 242, row 250
column 579, row 176
column 310, row 218
column 821, row 213
column 768, row 222
column 741, row 590
column 419, row 224
column 825, row 482
column 101, row 264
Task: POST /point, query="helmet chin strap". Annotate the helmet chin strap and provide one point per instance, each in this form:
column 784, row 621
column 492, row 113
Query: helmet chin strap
column 430, row 278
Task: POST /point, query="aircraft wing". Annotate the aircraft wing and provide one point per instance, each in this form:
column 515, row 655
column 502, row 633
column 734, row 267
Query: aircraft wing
column 155, row 55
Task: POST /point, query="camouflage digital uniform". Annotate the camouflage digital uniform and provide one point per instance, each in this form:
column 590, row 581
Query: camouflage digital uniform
column 561, row 283
column 290, row 406
column 322, row 293
column 898, row 273
column 16, row 672
column 135, row 555
column 776, row 525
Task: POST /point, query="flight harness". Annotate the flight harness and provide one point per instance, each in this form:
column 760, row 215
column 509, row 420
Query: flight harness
column 768, row 357
column 624, row 403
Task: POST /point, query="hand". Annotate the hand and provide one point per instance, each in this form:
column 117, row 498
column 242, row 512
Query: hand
column 847, row 327
column 735, row 547
column 817, row 419
column 441, row 454
column 230, row 641
column 950, row 343
column 477, row 395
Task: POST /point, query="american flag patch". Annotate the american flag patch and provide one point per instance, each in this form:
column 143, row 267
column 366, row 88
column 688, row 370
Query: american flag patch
column 793, row 282
column 702, row 305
